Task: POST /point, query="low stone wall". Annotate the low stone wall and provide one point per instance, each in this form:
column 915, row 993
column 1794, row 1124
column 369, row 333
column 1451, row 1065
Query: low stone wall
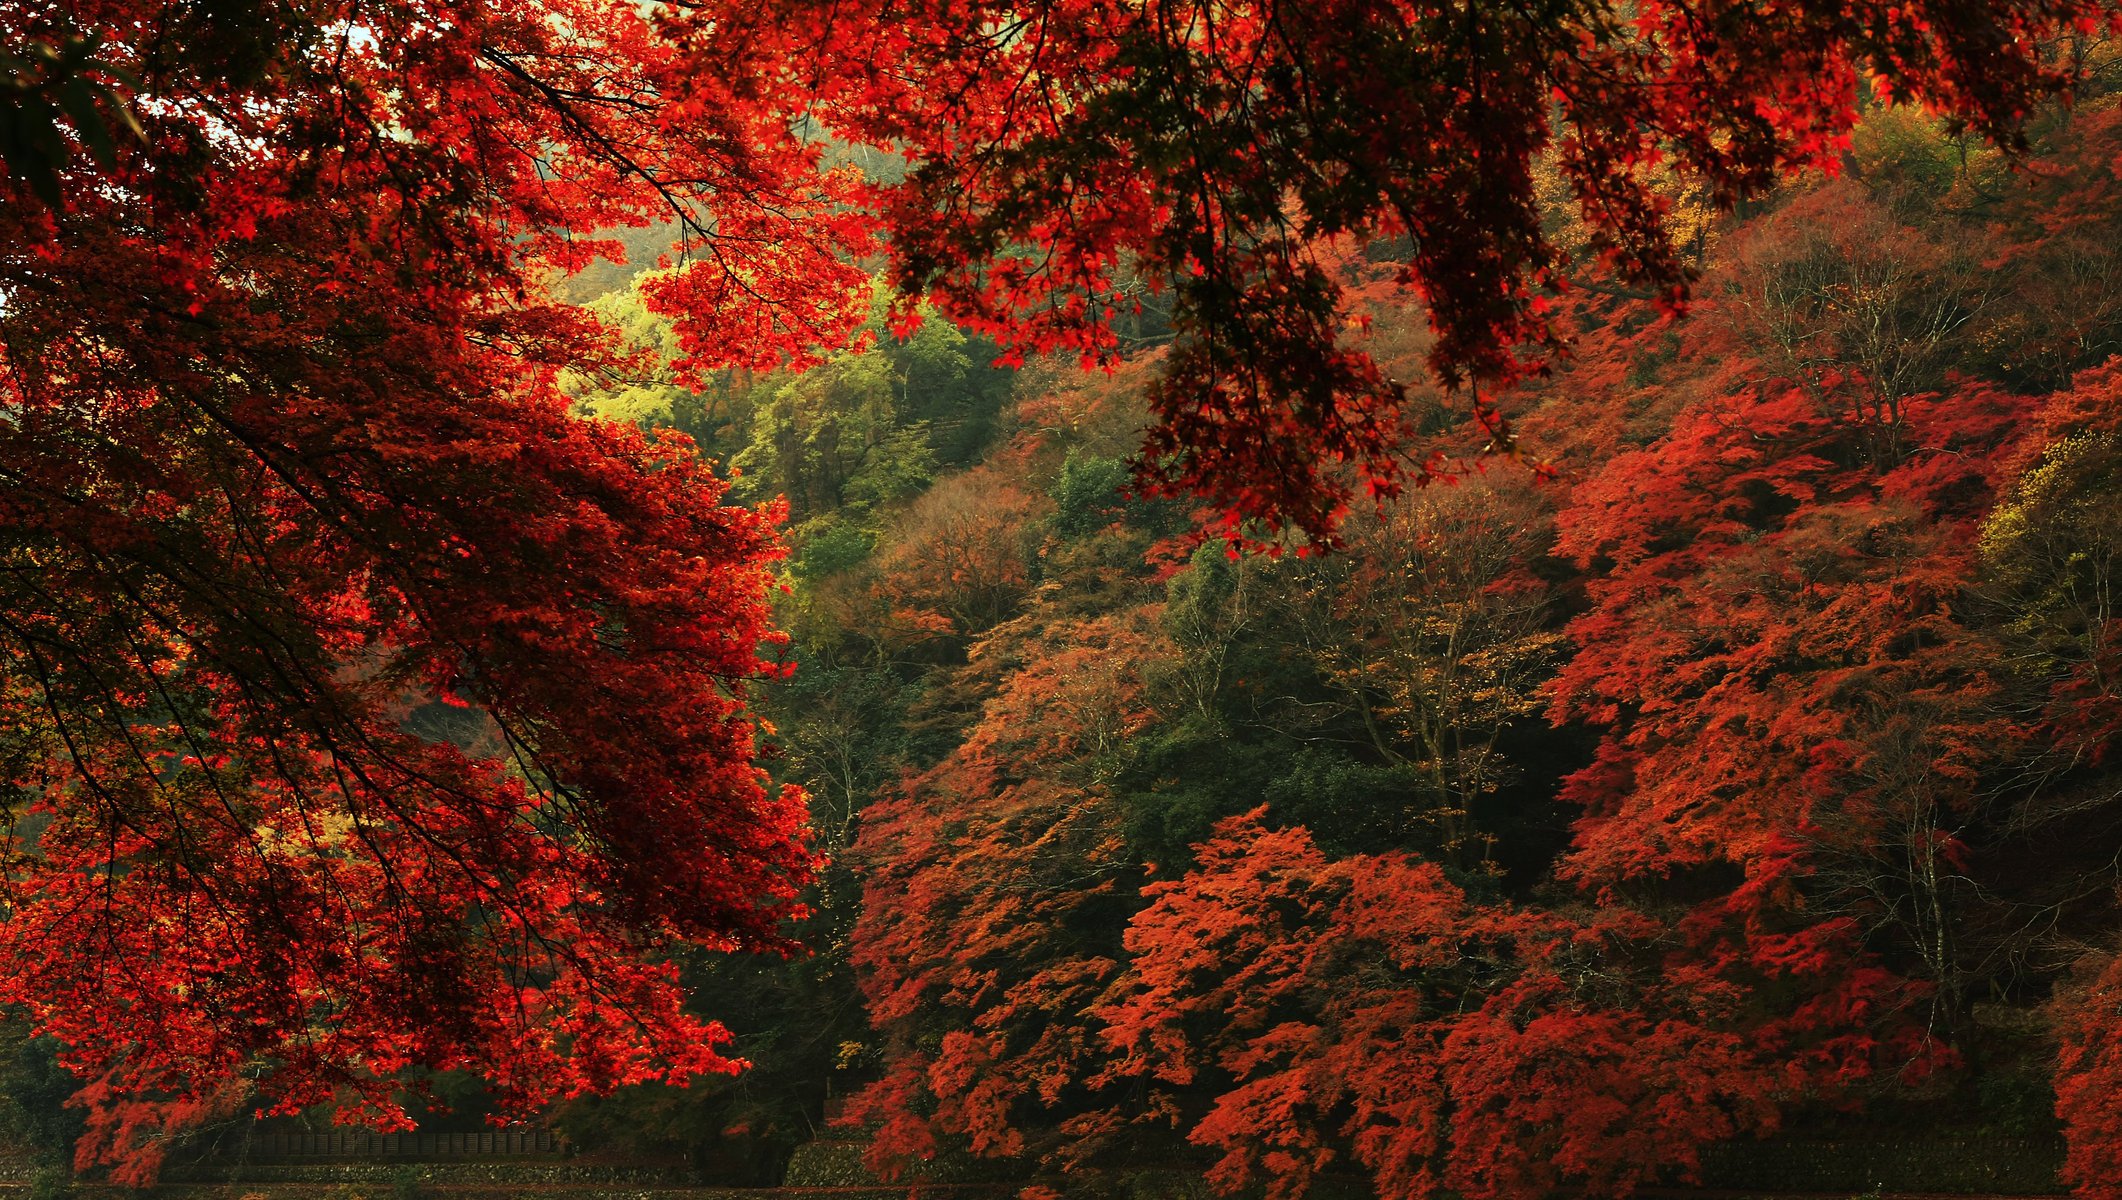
column 1845, row 1167
column 304, row 1146
column 829, row 1163
column 837, row 1163
column 833, row 1169
column 1855, row 1166
column 424, row 1190
column 518, row 1174
column 458, row 1191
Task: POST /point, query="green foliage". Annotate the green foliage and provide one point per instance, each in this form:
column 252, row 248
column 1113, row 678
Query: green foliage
column 946, row 379
column 1087, row 494
column 34, row 1090
column 829, row 547
column 48, row 90
column 1351, row 807
column 868, row 428
column 1906, row 150
column 817, row 432
column 652, row 399
column 2054, row 550
column 843, row 734
column 901, row 467
column 1186, row 776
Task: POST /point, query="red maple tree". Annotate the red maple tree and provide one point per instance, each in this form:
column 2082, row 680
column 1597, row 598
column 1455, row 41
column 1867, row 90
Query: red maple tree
column 1059, row 151
column 360, row 708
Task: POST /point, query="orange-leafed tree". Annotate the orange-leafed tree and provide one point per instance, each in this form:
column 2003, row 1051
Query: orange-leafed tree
column 960, row 558
column 995, row 887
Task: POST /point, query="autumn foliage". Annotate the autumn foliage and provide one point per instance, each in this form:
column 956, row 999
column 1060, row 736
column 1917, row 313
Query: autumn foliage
column 1514, row 674
column 1749, row 777
column 360, row 707
column 1058, row 150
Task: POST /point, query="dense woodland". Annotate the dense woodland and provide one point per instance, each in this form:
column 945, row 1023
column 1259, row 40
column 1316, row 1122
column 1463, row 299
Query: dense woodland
column 1750, row 766
column 1066, row 679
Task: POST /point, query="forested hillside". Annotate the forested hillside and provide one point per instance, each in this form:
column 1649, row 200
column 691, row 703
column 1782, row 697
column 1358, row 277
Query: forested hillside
column 1736, row 755
column 1457, row 599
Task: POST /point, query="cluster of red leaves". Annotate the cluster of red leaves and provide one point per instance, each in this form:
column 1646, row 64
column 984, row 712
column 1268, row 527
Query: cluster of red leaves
column 1060, row 152
column 1365, row 1003
column 1000, row 863
column 1303, row 1015
column 1757, row 573
column 1829, row 626
column 360, row 708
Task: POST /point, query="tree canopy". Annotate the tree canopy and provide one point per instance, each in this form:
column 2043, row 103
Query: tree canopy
column 364, row 706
